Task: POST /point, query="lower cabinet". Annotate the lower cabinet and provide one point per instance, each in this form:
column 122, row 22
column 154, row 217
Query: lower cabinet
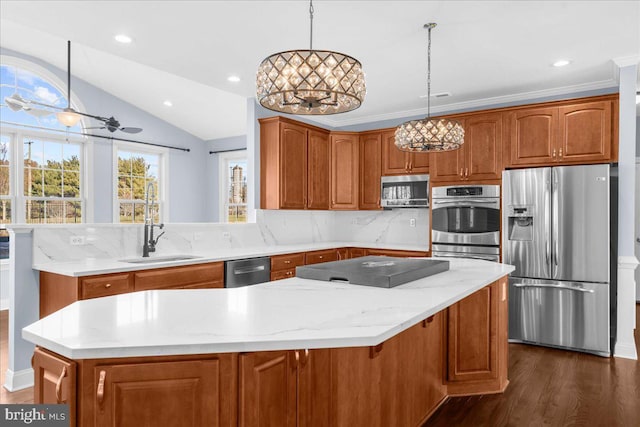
column 461, row 350
column 284, row 388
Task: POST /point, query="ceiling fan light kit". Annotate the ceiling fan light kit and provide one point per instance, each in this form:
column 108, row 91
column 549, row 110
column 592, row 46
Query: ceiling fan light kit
column 428, row 134
column 310, row 82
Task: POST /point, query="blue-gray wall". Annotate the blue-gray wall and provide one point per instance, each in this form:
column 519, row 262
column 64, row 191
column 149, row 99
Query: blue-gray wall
column 213, row 170
column 637, row 135
column 187, row 184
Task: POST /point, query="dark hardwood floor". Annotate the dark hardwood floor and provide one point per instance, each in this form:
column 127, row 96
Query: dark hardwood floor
column 550, row 387
column 547, row 387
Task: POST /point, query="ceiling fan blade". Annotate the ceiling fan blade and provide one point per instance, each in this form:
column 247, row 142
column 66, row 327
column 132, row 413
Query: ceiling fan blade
column 39, row 112
column 131, row 130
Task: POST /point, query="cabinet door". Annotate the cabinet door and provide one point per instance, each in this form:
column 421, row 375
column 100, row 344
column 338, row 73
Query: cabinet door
column 209, row 275
column 447, row 166
column 317, row 257
column 473, row 340
column 483, row 147
column 187, row 393
column 585, row 132
column 287, row 261
column 370, row 170
column 357, row 252
column 343, row 253
column 418, row 163
column 104, row 285
column 344, row 171
column 319, row 166
column 55, row 381
column 267, row 389
column 533, row 136
column 394, row 161
column 293, row 166
column 314, row 388
column 283, row 274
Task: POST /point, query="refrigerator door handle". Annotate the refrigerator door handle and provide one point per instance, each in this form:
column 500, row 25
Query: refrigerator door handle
column 547, row 237
column 555, row 222
column 537, row 285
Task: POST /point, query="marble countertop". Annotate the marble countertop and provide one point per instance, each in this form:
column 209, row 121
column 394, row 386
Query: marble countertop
column 91, row 266
column 283, row 315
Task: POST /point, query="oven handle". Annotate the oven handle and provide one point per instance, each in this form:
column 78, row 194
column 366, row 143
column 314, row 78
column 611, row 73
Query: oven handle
column 485, row 258
column 465, row 201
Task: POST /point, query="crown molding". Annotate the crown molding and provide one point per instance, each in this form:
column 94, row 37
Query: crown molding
column 468, row 105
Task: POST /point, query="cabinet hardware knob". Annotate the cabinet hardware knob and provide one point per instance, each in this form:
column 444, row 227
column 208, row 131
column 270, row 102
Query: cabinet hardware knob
column 305, row 358
column 59, row 385
column 553, row 153
column 460, row 173
column 108, row 285
column 466, row 172
column 560, row 153
column 100, row 391
column 320, row 256
column 289, row 273
column 287, row 262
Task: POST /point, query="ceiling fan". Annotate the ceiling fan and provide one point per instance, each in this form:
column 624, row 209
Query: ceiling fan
column 66, row 116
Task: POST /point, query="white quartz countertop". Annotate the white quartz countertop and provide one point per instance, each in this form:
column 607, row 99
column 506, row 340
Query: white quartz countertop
column 283, row 315
column 91, row 266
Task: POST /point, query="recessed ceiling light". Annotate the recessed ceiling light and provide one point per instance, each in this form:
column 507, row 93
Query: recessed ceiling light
column 561, row 63
column 123, row 38
column 233, row 79
column 168, row 103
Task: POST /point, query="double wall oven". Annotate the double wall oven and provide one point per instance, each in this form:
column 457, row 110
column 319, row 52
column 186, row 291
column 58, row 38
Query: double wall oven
column 466, row 221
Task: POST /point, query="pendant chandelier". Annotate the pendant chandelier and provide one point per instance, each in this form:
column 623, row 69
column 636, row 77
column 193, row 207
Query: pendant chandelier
column 428, row 134
column 310, row 81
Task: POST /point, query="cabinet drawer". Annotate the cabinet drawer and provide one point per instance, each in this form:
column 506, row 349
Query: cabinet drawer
column 206, row 275
column 283, row 274
column 102, row 286
column 285, row 262
column 322, row 256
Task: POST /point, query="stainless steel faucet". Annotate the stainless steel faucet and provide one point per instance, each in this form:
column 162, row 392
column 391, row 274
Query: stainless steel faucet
column 149, row 242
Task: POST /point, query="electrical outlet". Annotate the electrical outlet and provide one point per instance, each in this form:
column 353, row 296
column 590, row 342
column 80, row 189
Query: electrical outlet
column 412, row 222
column 226, row 235
column 77, row 240
column 197, row 236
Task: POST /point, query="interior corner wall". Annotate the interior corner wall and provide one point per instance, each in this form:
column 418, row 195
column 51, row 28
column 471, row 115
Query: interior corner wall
column 186, row 185
column 213, row 172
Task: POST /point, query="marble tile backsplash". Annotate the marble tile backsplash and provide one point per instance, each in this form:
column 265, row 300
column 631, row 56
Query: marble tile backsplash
column 274, row 227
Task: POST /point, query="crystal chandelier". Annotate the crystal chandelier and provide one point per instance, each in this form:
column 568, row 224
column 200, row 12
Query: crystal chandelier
column 310, row 81
column 428, row 134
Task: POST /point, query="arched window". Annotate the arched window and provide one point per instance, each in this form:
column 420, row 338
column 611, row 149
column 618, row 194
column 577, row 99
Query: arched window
column 41, row 164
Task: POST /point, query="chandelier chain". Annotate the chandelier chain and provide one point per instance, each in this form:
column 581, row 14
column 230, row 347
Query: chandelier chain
column 429, row 74
column 311, row 26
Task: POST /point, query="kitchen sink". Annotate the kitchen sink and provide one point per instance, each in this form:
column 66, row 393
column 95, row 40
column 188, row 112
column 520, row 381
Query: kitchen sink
column 150, row 260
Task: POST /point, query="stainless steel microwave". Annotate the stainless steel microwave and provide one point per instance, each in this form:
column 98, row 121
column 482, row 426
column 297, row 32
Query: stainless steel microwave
column 404, row 191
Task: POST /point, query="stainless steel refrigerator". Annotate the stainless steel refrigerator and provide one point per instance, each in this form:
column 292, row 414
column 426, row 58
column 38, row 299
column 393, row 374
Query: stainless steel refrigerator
column 556, row 232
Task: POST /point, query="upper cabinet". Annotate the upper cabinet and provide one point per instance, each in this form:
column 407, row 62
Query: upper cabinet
column 479, row 158
column 344, row 170
column 370, row 170
column 294, row 165
column 574, row 133
column 397, row 162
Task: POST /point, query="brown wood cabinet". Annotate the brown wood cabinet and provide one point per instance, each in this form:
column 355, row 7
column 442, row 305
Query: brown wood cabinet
column 284, row 388
column 57, row 291
column 294, row 165
column 317, row 257
column 357, row 252
column 477, row 345
column 479, row 158
column 397, row 162
column 344, row 170
column 284, row 266
column 54, row 381
column 580, row 132
column 370, row 170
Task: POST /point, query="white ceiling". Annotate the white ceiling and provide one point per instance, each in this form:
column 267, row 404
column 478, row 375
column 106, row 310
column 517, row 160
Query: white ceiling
column 483, row 52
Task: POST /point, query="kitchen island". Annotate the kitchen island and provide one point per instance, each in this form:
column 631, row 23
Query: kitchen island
column 292, row 352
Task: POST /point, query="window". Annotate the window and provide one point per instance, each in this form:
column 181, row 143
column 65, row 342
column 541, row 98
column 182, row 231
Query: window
column 52, row 181
column 136, row 171
column 46, row 185
column 233, row 186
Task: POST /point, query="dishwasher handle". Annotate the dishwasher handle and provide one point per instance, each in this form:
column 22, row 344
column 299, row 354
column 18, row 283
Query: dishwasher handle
column 247, row 270
column 541, row 285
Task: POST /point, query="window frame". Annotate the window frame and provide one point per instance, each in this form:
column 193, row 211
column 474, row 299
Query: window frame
column 162, row 197
column 223, row 182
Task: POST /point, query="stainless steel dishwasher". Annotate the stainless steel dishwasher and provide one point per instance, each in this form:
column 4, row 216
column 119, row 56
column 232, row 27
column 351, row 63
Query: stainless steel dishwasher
column 244, row 272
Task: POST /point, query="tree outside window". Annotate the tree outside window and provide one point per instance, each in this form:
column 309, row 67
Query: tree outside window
column 233, row 186
column 136, row 170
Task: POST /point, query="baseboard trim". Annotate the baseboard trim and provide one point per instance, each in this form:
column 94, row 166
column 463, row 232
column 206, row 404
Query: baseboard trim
column 626, row 351
column 19, row 380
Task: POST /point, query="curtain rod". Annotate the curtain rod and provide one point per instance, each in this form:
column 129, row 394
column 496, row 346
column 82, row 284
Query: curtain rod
column 113, row 138
column 226, row 151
